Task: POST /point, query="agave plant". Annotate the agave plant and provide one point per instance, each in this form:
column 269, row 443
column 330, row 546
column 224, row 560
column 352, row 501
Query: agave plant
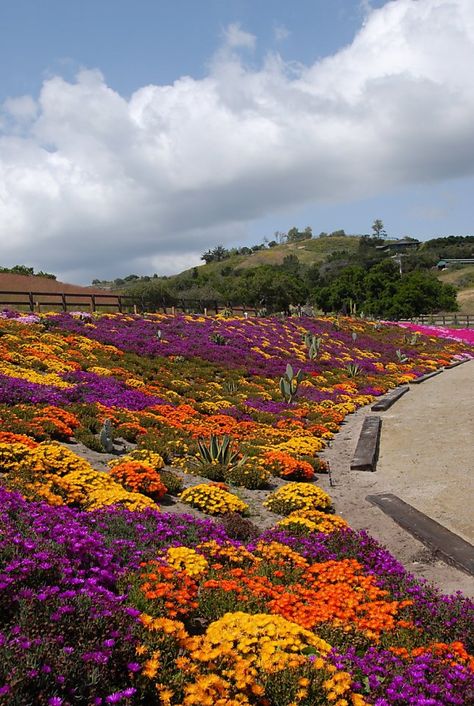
column 218, row 339
column 289, row 383
column 353, row 370
column 231, row 386
column 219, row 451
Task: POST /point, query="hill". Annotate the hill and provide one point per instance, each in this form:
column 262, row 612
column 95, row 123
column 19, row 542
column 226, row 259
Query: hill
column 462, row 278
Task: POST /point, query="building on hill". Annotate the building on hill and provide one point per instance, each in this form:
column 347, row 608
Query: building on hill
column 400, row 245
column 447, row 262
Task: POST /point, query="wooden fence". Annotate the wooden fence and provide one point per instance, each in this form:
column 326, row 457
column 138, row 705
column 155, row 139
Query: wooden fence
column 458, row 320
column 123, row 303
column 66, row 301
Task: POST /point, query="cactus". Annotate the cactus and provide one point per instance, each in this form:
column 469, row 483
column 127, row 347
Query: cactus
column 159, row 334
column 313, row 344
column 352, row 307
column 289, row 383
column 402, row 358
column 354, row 336
column 105, row 436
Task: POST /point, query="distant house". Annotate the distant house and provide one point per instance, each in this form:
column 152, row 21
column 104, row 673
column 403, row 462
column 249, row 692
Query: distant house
column 397, row 246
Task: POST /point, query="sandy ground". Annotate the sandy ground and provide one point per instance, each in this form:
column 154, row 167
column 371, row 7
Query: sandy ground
column 427, row 459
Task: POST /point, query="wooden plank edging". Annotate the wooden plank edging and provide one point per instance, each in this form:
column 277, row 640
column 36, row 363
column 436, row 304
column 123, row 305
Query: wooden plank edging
column 427, row 376
column 386, row 402
column 449, row 546
column 367, row 450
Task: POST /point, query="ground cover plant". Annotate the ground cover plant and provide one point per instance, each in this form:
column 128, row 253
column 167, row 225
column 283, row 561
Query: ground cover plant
column 107, row 598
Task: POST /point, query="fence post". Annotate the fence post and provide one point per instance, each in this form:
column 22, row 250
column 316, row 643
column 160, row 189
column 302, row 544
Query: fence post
column 63, row 301
column 120, row 307
column 31, row 300
column 92, row 302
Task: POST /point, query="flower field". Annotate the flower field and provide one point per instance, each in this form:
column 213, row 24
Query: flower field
column 109, row 596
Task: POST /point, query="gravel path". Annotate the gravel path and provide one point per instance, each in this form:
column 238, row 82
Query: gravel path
column 427, row 459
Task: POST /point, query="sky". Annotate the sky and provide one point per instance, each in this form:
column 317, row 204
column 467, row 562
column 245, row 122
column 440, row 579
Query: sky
column 136, row 134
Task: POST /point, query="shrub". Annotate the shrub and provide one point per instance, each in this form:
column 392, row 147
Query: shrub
column 213, row 500
column 138, row 477
column 283, row 465
column 213, row 471
column 84, row 436
column 298, row 496
column 302, row 522
column 250, row 474
column 150, row 458
column 172, row 480
column 238, row 527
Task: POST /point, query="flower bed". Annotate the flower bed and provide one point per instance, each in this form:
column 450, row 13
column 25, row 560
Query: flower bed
column 106, row 599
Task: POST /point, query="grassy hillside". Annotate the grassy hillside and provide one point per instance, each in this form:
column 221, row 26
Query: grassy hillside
column 462, row 278
column 308, row 252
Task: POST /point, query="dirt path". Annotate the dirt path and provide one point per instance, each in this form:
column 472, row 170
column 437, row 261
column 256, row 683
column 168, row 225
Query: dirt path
column 427, row 459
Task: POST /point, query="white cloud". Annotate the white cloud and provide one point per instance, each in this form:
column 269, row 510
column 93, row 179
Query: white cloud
column 281, row 33
column 235, row 37
column 92, row 183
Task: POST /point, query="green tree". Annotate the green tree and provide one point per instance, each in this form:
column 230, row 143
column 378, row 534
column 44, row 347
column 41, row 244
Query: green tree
column 378, row 228
column 152, row 295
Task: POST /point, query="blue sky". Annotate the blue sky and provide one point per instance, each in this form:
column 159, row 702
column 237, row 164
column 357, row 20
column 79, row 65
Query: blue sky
column 135, row 135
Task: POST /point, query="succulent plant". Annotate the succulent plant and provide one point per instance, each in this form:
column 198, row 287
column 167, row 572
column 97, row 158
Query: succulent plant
column 219, row 451
column 289, row 383
column 401, row 357
column 105, row 436
column 353, row 370
column 218, row 339
column 313, row 344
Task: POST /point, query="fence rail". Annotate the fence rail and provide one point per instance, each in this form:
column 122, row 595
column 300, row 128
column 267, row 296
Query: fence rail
column 461, row 320
column 35, row 301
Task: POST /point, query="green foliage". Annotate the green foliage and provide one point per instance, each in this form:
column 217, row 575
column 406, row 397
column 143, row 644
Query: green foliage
column 218, row 339
column 381, row 291
column 377, row 227
column 151, row 295
column 172, row 481
column 211, row 470
column 84, row 436
column 24, row 270
column 238, row 527
column 248, row 475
